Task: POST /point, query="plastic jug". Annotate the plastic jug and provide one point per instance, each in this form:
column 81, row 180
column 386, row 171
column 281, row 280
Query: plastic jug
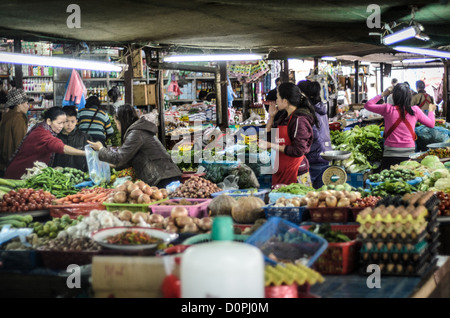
column 222, row 268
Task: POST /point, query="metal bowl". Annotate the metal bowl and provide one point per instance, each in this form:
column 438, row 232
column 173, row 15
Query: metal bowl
column 439, row 145
column 335, row 155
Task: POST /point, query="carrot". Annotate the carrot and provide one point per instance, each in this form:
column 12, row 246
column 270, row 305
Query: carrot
column 85, row 197
column 98, row 197
column 75, row 200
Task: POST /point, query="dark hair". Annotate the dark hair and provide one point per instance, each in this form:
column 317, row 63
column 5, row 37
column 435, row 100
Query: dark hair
column 92, row 101
column 420, row 85
column 311, row 90
column 394, row 81
column 295, row 97
column 278, row 80
column 70, row 111
column 114, row 93
column 126, row 115
column 401, row 95
column 407, row 84
column 53, row 112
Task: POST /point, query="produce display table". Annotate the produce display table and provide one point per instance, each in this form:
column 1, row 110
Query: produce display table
column 433, row 284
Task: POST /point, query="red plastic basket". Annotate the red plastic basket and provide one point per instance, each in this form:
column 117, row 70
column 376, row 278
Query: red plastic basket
column 199, row 208
column 339, row 258
column 329, row 215
column 75, row 210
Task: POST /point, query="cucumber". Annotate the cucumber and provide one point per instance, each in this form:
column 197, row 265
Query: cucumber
column 14, row 223
column 21, row 218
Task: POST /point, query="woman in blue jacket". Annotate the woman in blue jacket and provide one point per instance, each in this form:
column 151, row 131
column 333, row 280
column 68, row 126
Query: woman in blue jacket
column 322, row 140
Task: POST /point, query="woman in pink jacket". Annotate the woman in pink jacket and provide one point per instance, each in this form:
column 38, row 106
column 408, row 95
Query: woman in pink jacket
column 399, row 122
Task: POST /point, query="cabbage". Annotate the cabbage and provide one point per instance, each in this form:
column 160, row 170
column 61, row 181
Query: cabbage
column 411, row 164
column 440, row 173
column 442, row 184
column 429, row 160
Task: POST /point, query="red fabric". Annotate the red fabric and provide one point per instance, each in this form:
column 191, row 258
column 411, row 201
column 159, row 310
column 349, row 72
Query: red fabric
column 399, row 120
column 287, row 172
column 38, row 146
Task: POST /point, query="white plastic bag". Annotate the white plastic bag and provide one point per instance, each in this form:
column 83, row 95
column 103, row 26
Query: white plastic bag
column 99, row 171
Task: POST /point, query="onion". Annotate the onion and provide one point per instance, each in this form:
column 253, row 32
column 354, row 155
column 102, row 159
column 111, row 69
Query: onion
column 168, row 220
column 157, row 195
column 147, row 190
column 120, row 197
column 155, row 218
column 157, row 225
column 206, row 223
column 135, row 193
column 136, row 217
column 190, row 228
column 331, row 201
column 164, row 193
column 172, row 228
column 140, row 184
column 182, row 221
column 178, row 211
column 143, row 198
column 323, row 195
column 131, row 187
column 125, row 215
column 122, row 187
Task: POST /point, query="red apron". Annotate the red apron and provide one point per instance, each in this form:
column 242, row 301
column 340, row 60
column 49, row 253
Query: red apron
column 287, row 172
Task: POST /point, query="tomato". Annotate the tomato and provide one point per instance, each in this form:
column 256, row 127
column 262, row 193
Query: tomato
column 39, row 206
column 32, row 207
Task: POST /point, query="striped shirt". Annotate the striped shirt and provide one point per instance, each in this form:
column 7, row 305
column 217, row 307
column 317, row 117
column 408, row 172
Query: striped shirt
column 101, row 127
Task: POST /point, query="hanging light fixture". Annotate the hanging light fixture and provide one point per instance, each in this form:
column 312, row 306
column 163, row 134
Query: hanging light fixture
column 28, row 59
column 213, row 57
column 430, row 52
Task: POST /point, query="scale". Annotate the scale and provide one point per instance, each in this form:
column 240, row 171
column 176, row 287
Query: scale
column 335, row 175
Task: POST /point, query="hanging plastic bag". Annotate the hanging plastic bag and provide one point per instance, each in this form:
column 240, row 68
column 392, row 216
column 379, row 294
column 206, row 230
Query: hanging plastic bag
column 99, row 171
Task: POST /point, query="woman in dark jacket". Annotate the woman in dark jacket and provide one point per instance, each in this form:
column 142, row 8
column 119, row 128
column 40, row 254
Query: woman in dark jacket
column 322, row 140
column 141, row 149
column 295, row 118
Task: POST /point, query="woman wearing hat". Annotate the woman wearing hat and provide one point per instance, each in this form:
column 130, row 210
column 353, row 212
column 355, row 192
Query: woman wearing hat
column 40, row 144
column 13, row 126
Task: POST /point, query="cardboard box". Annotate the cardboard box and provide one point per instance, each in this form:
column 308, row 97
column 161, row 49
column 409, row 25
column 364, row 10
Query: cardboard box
column 144, row 94
column 127, row 276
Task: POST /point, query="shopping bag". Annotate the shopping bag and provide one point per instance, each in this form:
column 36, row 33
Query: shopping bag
column 99, row 171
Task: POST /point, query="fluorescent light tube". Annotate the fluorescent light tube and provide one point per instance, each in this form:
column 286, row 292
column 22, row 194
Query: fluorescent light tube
column 401, row 35
column 416, row 50
column 328, row 58
column 417, row 60
column 213, row 57
column 28, row 59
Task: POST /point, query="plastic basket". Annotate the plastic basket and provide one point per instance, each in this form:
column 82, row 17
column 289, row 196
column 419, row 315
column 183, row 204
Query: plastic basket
column 293, row 214
column 59, row 260
column 206, row 237
column 287, row 242
column 131, row 207
column 412, row 182
column 339, row 258
column 356, row 180
column 74, row 210
column 242, row 193
column 199, row 207
column 329, row 215
column 274, row 196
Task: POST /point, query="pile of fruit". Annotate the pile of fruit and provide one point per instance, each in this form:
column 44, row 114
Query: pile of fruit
column 24, row 200
column 136, row 192
column 196, row 187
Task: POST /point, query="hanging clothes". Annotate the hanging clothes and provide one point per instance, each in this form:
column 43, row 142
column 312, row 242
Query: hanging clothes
column 75, row 91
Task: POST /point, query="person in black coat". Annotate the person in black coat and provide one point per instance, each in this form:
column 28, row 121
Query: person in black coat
column 71, row 136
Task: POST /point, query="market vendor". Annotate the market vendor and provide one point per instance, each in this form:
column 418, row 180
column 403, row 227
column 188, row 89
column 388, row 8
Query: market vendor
column 140, row 149
column 400, row 120
column 295, row 118
column 40, row 144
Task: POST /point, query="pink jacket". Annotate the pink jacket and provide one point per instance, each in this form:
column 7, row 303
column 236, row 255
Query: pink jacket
column 401, row 136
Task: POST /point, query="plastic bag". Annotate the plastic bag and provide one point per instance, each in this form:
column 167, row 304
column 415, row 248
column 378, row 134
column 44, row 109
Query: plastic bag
column 247, row 177
column 216, row 171
column 229, row 183
column 426, row 136
column 120, row 181
column 99, row 171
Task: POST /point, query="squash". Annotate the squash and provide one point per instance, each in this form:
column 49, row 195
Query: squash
column 248, row 210
column 221, row 205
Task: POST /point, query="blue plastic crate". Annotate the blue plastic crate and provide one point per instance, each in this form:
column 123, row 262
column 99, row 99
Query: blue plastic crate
column 238, row 193
column 412, row 182
column 288, row 242
column 265, row 181
column 292, row 214
column 356, row 180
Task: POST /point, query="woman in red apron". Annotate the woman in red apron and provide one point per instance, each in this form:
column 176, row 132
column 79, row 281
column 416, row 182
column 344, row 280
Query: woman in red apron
column 293, row 117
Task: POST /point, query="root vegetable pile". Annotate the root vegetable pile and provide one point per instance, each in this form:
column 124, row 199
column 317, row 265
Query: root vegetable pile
column 94, row 195
column 196, row 187
column 136, row 192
